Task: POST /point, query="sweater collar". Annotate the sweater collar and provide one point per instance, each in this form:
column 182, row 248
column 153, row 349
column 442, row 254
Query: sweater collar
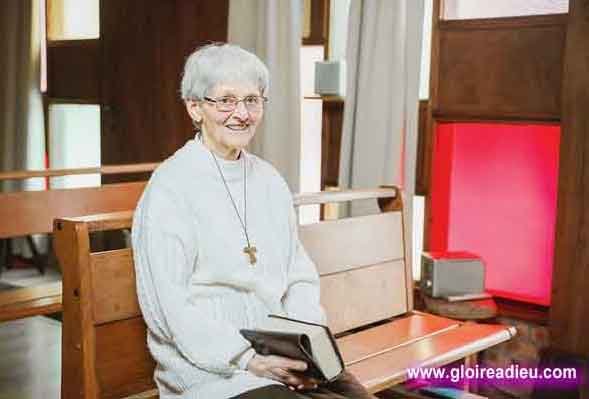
column 232, row 169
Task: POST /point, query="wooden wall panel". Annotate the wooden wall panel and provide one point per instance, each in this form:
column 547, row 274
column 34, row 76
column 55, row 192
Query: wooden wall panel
column 507, row 68
column 73, row 70
column 145, row 44
column 423, row 149
column 331, row 138
column 569, row 316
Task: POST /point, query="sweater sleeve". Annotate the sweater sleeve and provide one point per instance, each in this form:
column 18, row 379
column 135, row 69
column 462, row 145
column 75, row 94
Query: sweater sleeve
column 165, row 251
column 301, row 300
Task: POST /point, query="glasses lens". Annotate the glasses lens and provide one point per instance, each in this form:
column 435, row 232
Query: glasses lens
column 226, row 103
column 229, row 104
column 254, row 103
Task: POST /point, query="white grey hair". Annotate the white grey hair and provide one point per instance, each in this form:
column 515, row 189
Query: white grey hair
column 219, row 63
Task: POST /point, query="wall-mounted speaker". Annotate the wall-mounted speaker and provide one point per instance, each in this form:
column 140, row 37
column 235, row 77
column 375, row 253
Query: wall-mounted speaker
column 330, row 78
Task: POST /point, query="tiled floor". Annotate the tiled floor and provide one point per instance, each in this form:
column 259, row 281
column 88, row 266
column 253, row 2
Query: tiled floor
column 30, row 348
column 28, row 276
column 30, row 359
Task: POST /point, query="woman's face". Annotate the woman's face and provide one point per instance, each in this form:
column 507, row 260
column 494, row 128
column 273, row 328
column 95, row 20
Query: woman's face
column 227, row 131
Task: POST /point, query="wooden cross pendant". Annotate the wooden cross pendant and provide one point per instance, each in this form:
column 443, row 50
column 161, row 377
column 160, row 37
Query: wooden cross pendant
column 251, row 251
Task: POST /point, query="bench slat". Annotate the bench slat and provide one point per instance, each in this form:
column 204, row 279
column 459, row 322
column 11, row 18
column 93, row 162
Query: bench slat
column 325, row 197
column 393, row 334
column 23, row 302
column 344, row 244
column 390, row 368
column 31, row 212
column 123, row 363
column 115, row 298
column 113, row 286
column 378, row 293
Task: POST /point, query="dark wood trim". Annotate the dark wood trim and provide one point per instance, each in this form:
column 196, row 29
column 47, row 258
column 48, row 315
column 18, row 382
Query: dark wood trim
column 331, row 134
column 569, row 318
column 73, row 43
column 57, row 100
column 423, row 147
column 522, row 310
column 430, row 122
column 326, row 27
column 319, row 23
column 435, row 54
column 465, row 116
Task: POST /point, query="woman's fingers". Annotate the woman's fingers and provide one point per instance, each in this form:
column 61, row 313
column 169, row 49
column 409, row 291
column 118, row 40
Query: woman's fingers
column 287, row 363
column 282, row 369
column 285, row 376
column 294, row 380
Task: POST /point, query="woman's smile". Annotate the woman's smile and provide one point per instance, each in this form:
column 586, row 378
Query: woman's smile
column 238, row 127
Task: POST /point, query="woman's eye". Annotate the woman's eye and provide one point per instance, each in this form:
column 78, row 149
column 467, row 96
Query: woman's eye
column 251, row 100
column 227, row 100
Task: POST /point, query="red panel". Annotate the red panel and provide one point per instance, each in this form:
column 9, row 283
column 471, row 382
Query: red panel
column 494, row 193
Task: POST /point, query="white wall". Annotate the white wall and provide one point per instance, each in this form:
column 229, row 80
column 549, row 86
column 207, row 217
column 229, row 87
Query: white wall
column 311, row 119
column 469, row 9
column 74, row 142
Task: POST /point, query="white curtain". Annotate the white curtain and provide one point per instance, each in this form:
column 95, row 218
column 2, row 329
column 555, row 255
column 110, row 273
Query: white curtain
column 379, row 138
column 22, row 139
column 272, row 30
column 22, row 131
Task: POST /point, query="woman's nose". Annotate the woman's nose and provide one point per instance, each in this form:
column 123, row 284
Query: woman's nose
column 241, row 111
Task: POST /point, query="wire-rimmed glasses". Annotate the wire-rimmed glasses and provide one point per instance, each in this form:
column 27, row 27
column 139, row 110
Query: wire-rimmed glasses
column 229, row 103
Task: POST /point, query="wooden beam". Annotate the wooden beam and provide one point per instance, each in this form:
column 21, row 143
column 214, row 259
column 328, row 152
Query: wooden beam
column 569, row 316
column 103, row 170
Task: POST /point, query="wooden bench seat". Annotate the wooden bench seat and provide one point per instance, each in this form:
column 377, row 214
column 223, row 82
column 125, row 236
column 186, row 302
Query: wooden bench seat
column 436, row 349
column 366, row 289
column 30, row 301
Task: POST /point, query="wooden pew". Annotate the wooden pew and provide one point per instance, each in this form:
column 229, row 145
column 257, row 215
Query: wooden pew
column 25, row 213
column 366, row 289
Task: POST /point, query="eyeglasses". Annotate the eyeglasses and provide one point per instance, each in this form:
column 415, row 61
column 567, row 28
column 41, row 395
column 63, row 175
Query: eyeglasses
column 229, row 103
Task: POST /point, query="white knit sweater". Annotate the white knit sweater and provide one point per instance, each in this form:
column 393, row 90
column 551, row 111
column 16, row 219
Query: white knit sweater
column 195, row 285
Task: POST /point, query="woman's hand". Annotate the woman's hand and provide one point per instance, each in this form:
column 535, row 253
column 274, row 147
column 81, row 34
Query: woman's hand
column 281, row 369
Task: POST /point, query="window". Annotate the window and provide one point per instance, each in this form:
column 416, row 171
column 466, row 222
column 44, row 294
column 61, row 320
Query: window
column 426, row 49
column 74, row 142
column 472, row 9
column 73, row 19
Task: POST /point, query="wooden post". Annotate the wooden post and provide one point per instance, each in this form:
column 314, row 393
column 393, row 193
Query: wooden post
column 78, row 379
column 569, row 319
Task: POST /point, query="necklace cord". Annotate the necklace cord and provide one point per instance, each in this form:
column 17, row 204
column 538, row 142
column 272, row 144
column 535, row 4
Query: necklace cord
column 244, row 221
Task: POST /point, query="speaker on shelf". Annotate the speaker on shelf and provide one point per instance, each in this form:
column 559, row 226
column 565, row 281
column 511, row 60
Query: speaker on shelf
column 330, row 78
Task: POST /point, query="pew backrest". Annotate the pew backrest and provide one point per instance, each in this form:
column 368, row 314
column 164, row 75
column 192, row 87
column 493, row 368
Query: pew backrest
column 24, row 213
column 104, row 345
column 32, row 212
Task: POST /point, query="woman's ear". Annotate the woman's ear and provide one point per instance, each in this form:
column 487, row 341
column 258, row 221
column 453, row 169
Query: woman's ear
column 193, row 109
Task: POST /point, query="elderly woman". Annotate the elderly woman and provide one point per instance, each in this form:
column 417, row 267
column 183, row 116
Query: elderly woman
column 216, row 247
